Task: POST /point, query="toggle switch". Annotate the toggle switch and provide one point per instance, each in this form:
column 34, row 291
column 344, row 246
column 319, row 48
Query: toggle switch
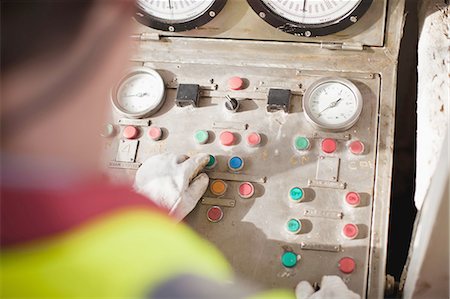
column 231, row 104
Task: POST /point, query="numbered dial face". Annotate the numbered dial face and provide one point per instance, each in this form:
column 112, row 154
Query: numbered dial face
column 310, row 17
column 140, row 93
column 177, row 15
column 332, row 104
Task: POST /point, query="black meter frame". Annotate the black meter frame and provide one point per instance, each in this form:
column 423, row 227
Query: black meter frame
column 308, row 30
column 160, row 24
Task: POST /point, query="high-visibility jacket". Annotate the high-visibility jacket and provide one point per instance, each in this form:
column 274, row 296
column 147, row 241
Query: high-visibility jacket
column 105, row 241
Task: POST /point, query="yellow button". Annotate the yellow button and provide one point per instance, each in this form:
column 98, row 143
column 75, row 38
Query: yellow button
column 218, row 187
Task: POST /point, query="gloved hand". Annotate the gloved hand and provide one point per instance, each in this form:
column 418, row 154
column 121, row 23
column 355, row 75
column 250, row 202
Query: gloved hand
column 172, row 182
column 331, row 287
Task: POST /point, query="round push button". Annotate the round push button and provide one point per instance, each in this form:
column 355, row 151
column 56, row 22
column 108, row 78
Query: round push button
column 212, row 162
column 235, row 83
column 356, row 147
column 218, row 187
column 294, row 226
column 329, row 145
column 289, row 259
column 201, row 136
column 227, row 138
column 130, row 132
column 155, row 133
column 107, row 131
column 296, row 194
column 246, row 190
column 353, row 199
column 253, row 139
column 214, row 214
column 235, row 163
column 346, row 265
column 350, row 231
column 302, row 143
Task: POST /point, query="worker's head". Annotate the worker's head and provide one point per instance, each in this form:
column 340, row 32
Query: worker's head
column 59, row 60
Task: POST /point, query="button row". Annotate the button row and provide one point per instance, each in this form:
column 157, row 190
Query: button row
column 328, row 145
column 235, row 163
column 219, row 187
column 289, row 259
column 297, row 195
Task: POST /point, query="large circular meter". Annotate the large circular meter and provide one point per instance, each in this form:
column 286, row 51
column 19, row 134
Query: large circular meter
column 310, row 17
column 332, row 104
column 140, row 93
column 177, row 15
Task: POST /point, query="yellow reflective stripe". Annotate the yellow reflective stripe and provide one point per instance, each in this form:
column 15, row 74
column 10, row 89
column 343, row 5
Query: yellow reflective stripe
column 275, row 294
column 123, row 254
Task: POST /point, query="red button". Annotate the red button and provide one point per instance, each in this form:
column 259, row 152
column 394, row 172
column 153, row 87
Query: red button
column 214, row 214
column 353, row 199
column 253, row 139
column 246, row 190
column 235, row 83
column 155, row 133
column 350, row 231
column 328, row 145
column 356, row 147
column 347, row 265
column 227, row 138
column 130, row 132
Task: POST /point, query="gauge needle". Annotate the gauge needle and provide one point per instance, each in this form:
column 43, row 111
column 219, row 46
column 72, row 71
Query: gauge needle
column 141, row 94
column 332, row 105
column 304, row 5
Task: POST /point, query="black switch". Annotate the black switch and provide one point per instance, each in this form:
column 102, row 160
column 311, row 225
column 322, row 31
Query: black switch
column 187, row 94
column 279, row 99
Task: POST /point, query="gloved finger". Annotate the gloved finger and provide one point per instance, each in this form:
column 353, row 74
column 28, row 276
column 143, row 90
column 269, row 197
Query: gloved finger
column 333, row 287
column 303, row 290
column 197, row 188
column 191, row 197
column 194, row 164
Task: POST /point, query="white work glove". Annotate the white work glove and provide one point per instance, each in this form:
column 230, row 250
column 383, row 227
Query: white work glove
column 331, row 287
column 172, row 182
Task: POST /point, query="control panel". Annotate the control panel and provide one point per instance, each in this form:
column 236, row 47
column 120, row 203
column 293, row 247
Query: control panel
column 299, row 137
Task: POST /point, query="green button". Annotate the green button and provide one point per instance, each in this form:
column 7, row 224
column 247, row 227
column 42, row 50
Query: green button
column 201, row 136
column 301, row 143
column 211, row 162
column 296, row 193
column 294, row 225
column 289, row 259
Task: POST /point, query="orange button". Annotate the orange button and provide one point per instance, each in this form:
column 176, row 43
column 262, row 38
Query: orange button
column 218, row 187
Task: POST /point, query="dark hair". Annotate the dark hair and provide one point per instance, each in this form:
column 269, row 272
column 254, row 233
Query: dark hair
column 34, row 28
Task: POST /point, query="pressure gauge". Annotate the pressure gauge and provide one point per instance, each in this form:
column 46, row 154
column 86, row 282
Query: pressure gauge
column 177, row 15
column 310, row 17
column 332, row 104
column 140, row 93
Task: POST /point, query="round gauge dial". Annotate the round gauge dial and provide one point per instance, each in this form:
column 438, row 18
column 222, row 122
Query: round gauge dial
column 310, row 17
column 140, row 93
column 177, row 15
column 333, row 104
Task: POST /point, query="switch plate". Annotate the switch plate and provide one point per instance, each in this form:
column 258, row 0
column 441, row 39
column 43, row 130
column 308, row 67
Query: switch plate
column 127, row 150
column 327, row 169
